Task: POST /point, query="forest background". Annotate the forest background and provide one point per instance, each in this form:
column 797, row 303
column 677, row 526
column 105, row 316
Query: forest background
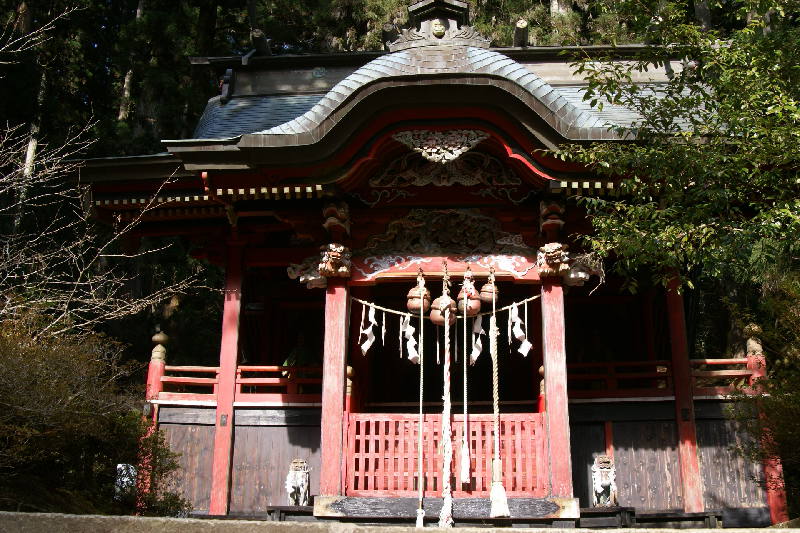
column 113, row 77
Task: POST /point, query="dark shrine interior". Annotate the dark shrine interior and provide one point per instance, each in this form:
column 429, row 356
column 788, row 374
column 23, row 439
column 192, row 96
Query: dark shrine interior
column 283, row 324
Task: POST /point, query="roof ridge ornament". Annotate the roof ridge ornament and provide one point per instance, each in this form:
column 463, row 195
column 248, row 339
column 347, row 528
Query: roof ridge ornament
column 436, row 23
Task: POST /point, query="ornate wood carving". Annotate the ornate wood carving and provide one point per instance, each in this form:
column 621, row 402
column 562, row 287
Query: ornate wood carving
column 553, row 260
column 464, row 235
column 474, row 168
column 440, row 146
column 335, row 261
column 337, row 216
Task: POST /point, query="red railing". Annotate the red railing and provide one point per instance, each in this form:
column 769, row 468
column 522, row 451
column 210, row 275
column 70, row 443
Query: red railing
column 710, row 377
column 718, row 377
column 254, row 384
column 618, row 379
column 382, row 454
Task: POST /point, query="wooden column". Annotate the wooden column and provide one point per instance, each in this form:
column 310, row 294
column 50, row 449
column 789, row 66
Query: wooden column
column 691, row 482
column 333, row 387
column 555, row 387
column 773, row 469
column 226, row 383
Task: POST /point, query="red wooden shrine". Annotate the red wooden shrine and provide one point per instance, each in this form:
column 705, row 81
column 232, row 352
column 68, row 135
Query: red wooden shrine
column 432, row 152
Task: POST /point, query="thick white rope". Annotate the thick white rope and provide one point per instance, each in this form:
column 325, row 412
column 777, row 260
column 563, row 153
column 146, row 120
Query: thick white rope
column 497, row 495
column 446, row 514
column 420, row 481
column 465, row 460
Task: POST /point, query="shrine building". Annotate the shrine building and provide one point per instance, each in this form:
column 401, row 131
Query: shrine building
column 521, row 391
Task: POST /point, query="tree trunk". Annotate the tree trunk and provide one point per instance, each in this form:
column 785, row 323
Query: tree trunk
column 30, row 151
column 206, row 27
column 125, row 100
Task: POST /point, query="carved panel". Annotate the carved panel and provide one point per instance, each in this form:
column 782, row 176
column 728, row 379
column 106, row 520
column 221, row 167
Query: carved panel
column 440, row 146
column 473, row 168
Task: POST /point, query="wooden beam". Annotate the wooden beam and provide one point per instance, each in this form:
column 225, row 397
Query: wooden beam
column 691, row 482
column 333, row 387
column 555, row 388
column 226, row 388
column 463, row 508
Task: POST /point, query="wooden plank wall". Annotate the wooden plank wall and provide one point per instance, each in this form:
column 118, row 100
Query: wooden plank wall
column 648, row 472
column 265, row 443
column 728, row 479
column 587, row 441
column 195, row 444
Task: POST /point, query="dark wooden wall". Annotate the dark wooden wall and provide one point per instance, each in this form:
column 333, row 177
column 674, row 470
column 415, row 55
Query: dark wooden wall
column 729, row 480
column 587, row 441
column 648, row 472
column 645, row 453
column 195, row 444
column 265, row 443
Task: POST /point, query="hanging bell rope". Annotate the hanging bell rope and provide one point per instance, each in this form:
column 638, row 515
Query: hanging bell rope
column 420, row 302
column 446, row 309
column 469, row 305
column 497, row 495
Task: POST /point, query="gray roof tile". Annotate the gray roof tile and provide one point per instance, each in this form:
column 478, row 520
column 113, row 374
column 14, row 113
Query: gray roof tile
column 563, row 106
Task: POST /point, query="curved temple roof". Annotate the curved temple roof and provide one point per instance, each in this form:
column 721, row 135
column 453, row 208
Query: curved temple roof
column 294, row 119
column 566, row 115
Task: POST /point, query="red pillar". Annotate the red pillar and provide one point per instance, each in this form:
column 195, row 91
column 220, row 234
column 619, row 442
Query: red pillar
column 333, row 387
column 226, row 383
column 773, row 469
column 555, row 387
column 691, row 483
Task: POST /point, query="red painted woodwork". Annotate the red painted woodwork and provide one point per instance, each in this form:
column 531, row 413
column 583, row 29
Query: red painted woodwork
column 406, row 268
column 691, row 481
column 382, row 454
column 776, row 493
column 504, row 131
column 226, row 386
column 555, row 387
column 608, row 432
column 333, row 387
column 619, row 379
column 773, row 469
column 155, row 375
column 276, row 384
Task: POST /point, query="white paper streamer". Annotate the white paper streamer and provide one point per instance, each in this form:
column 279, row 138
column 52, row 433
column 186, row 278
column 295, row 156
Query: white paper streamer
column 477, row 343
column 438, row 358
column 456, row 335
column 368, row 332
column 400, row 335
column 519, row 333
column 383, row 328
column 411, row 343
column 508, row 327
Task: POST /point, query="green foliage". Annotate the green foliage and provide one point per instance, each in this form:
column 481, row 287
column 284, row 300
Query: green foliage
column 710, row 189
column 711, row 184
column 65, row 423
column 771, row 416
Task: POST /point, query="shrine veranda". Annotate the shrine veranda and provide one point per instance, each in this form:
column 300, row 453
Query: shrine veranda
column 328, row 186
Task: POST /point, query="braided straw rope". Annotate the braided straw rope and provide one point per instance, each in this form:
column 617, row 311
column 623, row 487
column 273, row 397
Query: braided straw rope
column 446, row 514
column 465, row 460
column 497, row 496
column 420, row 481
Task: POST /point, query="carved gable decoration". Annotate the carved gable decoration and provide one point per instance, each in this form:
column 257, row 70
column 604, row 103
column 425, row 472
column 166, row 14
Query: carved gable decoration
column 463, row 235
column 462, row 232
column 437, row 22
column 440, row 146
column 473, row 168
